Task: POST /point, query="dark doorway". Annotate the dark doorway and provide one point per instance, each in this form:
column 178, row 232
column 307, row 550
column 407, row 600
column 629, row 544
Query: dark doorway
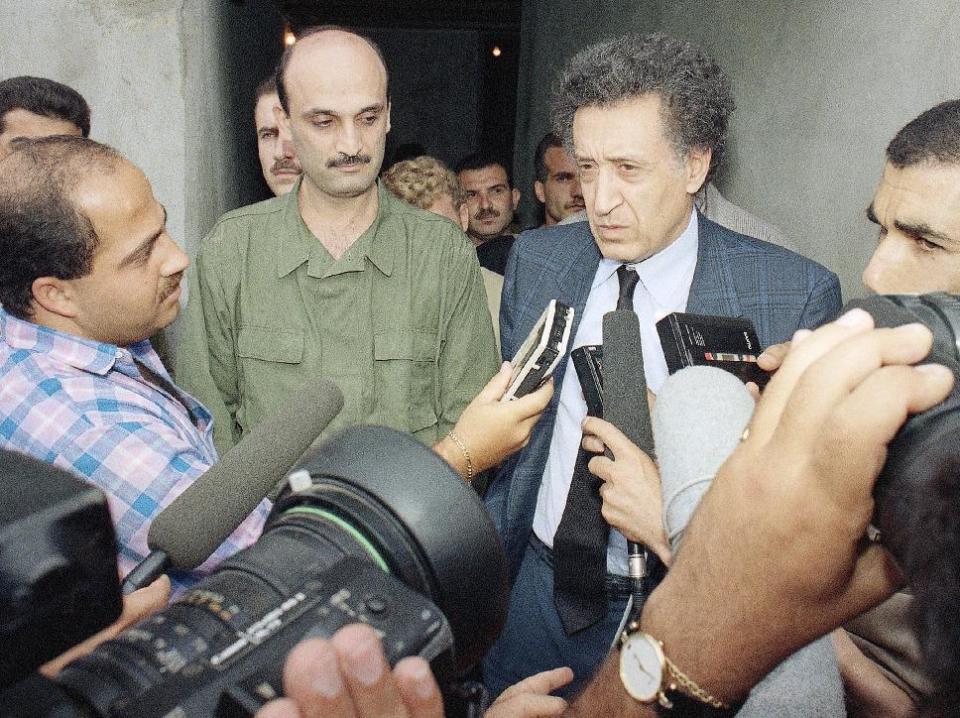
column 453, row 68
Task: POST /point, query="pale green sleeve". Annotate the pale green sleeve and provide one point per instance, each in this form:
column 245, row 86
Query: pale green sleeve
column 206, row 360
column 468, row 357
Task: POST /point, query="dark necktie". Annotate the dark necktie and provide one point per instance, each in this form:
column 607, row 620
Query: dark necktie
column 580, row 544
column 628, row 279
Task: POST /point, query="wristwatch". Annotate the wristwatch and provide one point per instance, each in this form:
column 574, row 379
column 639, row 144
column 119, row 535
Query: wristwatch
column 650, row 677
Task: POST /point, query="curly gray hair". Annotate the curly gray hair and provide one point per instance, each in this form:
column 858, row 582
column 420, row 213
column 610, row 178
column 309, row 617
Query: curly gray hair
column 695, row 94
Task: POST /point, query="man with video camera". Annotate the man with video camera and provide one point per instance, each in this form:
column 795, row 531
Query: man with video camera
column 917, row 210
column 87, row 273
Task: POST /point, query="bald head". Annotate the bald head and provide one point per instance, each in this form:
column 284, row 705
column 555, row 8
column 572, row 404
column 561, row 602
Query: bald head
column 332, row 86
column 342, row 51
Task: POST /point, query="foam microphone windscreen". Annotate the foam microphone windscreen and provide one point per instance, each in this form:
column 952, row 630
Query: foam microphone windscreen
column 698, row 420
column 202, row 517
column 624, row 383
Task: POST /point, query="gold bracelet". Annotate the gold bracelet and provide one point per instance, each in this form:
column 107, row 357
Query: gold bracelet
column 687, row 685
column 466, row 454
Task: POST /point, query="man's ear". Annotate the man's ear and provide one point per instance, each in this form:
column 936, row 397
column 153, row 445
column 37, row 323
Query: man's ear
column 464, row 213
column 516, row 199
column 538, row 191
column 55, row 296
column 388, row 117
column 696, row 167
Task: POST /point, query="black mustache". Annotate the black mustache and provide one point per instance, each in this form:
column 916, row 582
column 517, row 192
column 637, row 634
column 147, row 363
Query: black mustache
column 282, row 165
column 488, row 213
column 347, row 160
column 171, row 286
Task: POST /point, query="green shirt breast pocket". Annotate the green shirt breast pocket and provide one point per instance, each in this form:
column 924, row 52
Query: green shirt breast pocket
column 269, row 361
column 405, row 363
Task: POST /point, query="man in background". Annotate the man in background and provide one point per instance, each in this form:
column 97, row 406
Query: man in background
column 278, row 160
column 557, row 185
column 426, row 183
column 492, row 201
column 38, row 107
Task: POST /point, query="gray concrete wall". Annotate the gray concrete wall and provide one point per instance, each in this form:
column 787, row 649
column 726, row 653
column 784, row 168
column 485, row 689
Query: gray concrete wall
column 822, row 86
column 125, row 59
column 170, row 84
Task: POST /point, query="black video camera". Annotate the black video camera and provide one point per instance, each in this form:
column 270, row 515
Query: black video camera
column 58, row 564
column 372, row 527
column 917, row 495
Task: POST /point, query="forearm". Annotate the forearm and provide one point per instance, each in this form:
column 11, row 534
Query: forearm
column 712, row 663
column 449, row 451
column 605, row 696
column 714, row 641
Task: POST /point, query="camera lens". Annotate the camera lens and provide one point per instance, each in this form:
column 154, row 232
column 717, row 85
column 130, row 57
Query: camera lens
column 374, row 494
column 430, row 526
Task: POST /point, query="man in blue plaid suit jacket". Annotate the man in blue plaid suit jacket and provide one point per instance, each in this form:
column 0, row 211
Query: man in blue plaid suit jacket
column 646, row 117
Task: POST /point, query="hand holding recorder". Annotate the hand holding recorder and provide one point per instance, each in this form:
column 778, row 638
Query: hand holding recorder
column 490, row 430
column 498, row 422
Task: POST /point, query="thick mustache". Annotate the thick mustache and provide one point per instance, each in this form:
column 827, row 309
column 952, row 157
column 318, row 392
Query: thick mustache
column 488, row 213
column 348, row 160
column 284, row 165
column 171, row 286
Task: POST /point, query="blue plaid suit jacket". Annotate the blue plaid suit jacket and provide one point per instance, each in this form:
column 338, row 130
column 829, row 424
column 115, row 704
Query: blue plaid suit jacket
column 736, row 275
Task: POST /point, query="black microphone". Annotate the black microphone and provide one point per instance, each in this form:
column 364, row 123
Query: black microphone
column 625, row 405
column 698, row 420
column 191, row 528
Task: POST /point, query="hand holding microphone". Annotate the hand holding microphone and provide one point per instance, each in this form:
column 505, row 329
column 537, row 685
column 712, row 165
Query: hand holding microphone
column 631, row 489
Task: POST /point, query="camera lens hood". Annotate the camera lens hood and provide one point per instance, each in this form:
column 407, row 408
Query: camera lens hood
column 440, row 512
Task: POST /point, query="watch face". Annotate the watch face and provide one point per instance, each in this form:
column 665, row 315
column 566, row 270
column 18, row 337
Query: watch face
column 641, row 667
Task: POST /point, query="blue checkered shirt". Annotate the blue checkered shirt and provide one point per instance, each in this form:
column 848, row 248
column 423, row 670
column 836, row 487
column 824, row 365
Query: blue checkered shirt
column 84, row 406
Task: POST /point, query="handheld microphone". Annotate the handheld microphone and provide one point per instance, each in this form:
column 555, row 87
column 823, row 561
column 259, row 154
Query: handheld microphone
column 191, row 528
column 698, row 420
column 626, row 407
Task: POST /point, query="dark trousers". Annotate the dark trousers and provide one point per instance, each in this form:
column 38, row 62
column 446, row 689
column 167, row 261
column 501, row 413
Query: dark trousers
column 533, row 639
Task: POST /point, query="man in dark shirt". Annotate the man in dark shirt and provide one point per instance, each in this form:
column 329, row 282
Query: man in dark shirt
column 492, row 200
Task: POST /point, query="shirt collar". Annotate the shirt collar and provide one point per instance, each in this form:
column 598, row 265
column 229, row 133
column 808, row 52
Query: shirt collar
column 296, row 241
column 662, row 272
column 84, row 354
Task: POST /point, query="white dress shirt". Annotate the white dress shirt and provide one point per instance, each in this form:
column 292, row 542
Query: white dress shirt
column 664, row 286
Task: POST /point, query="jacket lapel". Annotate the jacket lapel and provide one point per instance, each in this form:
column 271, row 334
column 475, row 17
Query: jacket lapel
column 572, row 286
column 712, row 289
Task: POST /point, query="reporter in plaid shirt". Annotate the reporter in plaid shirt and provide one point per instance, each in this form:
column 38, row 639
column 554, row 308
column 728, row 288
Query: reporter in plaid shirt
column 87, row 274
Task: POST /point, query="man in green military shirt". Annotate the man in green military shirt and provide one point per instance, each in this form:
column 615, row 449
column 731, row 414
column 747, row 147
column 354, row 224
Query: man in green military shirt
column 337, row 278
